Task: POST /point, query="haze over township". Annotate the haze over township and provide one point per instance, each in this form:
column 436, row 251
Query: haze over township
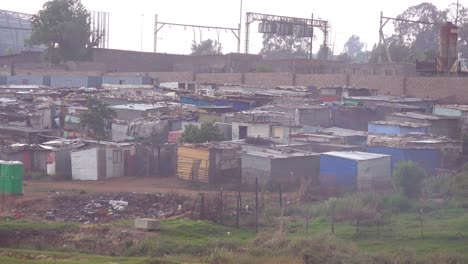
column 359, row 17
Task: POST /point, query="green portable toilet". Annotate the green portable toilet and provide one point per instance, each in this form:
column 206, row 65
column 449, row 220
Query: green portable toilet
column 11, row 177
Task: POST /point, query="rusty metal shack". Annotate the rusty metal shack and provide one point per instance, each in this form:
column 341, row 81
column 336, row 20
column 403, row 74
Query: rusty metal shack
column 210, row 163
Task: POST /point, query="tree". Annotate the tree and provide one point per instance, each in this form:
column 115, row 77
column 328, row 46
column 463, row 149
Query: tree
column 207, row 47
column 408, row 178
column 207, row 133
column 64, row 27
column 98, row 115
column 279, row 46
column 461, row 184
column 353, row 47
column 422, row 38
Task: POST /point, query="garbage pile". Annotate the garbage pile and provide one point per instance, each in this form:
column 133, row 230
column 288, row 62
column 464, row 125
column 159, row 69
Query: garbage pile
column 104, row 208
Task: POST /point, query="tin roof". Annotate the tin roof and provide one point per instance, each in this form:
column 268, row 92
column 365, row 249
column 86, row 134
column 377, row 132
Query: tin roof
column 400, row 124
column 355, row 155
column 422, row 116
column 456, row 107
column 139, row 107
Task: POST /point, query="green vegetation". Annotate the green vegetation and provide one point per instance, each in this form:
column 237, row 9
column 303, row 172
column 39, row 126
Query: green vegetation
column 408, row 178
column 64, row 26
column 207, row 133
column 207, row 47
column 96, row 117
column 11, row 225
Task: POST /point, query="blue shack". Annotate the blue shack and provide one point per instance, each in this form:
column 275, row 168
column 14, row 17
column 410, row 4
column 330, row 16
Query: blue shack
column 353, row 170
column 396, row 128
column 427, row 158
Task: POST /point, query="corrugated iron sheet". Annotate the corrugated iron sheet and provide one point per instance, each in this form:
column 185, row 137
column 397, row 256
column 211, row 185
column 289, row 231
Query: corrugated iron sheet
column 428, row 159
column 193, row 164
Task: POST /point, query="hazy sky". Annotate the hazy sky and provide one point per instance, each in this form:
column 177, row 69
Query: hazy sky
column 129, row 18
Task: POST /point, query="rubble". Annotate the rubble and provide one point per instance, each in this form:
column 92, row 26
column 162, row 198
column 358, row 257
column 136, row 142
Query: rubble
column 104, row 208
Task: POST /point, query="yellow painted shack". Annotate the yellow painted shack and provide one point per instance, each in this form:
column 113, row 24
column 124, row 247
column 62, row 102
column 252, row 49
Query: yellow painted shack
column 210, row 163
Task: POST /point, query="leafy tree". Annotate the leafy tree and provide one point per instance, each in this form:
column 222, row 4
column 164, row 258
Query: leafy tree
column 408, row 178
column 353, row 47
column 96, row 117
column 422, row 38
column 461, row 184
column 283, row 46
column 207, row 133
column 207, row 47
column 64, row 26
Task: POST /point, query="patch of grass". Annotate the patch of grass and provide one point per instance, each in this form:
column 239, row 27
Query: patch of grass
column 444, row 230
column 27, row 225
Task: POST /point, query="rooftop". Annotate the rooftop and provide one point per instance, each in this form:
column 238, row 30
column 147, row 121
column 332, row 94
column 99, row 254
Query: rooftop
column 455, row 107
column 139, row 107
column 422, row 116
column 390, row 99
column 400, row 124
column 355, row 155
column 278, row 155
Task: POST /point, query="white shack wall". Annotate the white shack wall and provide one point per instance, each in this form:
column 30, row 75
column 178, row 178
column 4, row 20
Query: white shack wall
column 84, row 165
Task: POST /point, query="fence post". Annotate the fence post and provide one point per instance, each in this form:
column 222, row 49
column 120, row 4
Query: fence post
column 281, row 208
column 256, row 205
column 238, row 209
column 202, row 209
column 307, row 224
column 221, row 207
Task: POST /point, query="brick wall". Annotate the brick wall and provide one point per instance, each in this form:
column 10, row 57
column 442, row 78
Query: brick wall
column 320, row 80
column 449, row 89
column 392, row 85
column 219, row 78
column 172, row 76
column 269, row 80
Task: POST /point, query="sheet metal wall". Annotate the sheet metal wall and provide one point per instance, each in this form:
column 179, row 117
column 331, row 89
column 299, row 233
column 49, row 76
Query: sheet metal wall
column 428, row 159
column 28, row 80
column 84, row 164
column 255, row 167
column 193, row 164
column 127, row 80
column 337, row 172
column 394, row 130
column 290, row 170
column 76, row 81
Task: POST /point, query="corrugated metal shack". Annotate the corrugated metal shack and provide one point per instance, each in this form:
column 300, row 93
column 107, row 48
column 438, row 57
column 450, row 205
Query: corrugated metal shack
column 372, row 101
column 355, row 171
column 140, row 129
column 431, row 152
column 156, row 160
column 102, row 161
column 29, row 80
column 385, row 109
column 353, row 117
column 25, row 134
column 210, row 163
column 274, row 167
column 439, row 125
column 333, row 135
column 76, row 81
column 127, row 80
column 458, row 111
column 304, row 115
column 131, row 112
column 3, row 80
column 397, row 128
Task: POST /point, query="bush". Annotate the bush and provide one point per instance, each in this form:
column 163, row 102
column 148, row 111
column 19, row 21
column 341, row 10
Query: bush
column 461, row 184
column 408, row 178
column 207, row 133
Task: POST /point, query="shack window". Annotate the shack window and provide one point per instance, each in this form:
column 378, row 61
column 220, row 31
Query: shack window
column 117, row 156
column 138, row 93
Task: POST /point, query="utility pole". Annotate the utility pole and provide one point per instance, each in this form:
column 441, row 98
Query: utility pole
column 380, row 37
column 155, row 32
column 240, row 28
column 458, row 7
column 141, row 31
column 311, row 36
